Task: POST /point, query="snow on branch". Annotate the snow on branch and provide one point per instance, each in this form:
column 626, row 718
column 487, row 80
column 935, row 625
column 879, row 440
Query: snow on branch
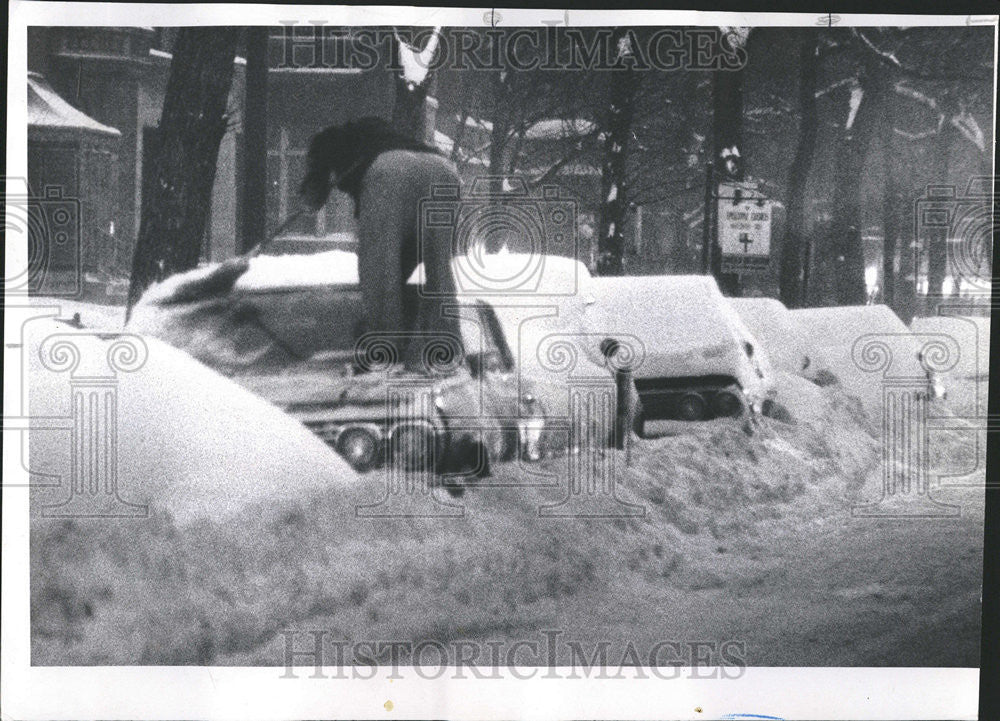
column 967, row 126
column 852, row 81
column 416, row 62
column 889, row 59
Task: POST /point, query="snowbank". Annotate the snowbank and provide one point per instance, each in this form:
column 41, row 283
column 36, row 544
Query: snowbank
column 189, row 441
column 221, row 591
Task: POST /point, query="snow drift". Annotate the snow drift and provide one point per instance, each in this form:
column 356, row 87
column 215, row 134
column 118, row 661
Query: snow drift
column 184, row 442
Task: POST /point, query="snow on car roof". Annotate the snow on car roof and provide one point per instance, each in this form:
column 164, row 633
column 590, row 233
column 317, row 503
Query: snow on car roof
column 332, row 267
column 513, row 275
column 843, row 325
column 266, row 272
column 970, row 333
column 508, row 274
column 679, row 311
column 685, row 324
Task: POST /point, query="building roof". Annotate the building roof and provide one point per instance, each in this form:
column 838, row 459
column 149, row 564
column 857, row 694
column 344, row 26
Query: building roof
column 48, row 111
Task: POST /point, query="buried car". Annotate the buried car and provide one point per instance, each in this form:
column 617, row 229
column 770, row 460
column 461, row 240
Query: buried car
column 287, row 328
column 540, row 303
column 852, row 341
column 700, row 361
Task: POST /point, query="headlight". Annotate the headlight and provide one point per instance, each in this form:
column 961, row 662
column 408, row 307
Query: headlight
column 727, row 404
column 529, row 432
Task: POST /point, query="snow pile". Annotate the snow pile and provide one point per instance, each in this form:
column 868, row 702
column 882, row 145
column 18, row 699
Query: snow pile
column 685, row 324
column 189, row 441
column 850, row 339
column 220, row 591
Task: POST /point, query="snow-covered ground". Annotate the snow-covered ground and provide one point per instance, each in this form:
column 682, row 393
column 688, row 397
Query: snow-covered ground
column 254, row 528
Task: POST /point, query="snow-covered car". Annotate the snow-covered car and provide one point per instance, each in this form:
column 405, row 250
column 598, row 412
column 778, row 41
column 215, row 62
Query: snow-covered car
column 700, row 361
column 285, row 327
column 540, row 302
column 768, row 319
column 847, row 339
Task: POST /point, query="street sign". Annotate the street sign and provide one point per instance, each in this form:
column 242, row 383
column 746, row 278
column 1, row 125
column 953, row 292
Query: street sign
column 744, row 222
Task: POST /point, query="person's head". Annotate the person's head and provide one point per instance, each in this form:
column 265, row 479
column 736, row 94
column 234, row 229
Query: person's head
column 328, row 153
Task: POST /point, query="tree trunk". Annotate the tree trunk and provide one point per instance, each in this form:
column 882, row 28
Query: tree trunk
column 891, row 204
column 499, row 130
column 253, row 187
column 937, row 237
column 890, row 231
column 618, row 130
column 793, row 256
column 409, row 109
column 182, row 163
column 863, row 124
